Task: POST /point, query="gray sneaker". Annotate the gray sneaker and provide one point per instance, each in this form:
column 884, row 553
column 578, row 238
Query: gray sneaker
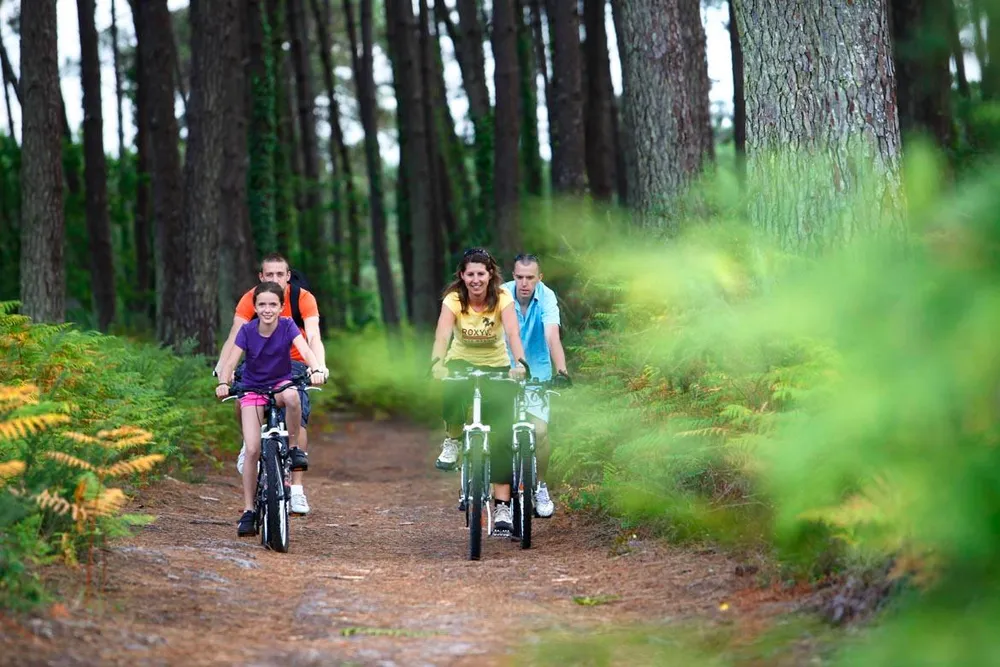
column 503, row 519
column 544, row 507
column 449, row 454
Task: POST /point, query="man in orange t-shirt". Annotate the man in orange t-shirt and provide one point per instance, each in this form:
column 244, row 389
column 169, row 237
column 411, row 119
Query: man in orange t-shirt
column 275, row 268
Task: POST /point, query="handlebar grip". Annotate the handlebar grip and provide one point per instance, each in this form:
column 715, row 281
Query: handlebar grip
column 527, row 368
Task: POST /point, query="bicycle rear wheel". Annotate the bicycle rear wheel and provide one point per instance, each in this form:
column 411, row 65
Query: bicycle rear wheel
column 525, row 489
column 476, row 494
column 274, row 523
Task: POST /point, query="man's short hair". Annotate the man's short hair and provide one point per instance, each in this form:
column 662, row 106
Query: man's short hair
column 527, row 258
column 271, row 258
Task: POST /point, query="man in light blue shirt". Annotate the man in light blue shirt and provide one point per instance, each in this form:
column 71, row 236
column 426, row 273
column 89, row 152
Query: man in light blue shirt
column 538, row 315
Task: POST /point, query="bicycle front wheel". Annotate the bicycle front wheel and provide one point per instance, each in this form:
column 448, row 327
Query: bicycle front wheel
column 274, row 533
column 525, row 490
column 476, row 494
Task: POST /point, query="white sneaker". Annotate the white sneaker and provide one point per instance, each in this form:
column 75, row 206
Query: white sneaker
column 449, row 454
column 299, row 503
column 544, row 507
column 503, row 519
column 240, row 459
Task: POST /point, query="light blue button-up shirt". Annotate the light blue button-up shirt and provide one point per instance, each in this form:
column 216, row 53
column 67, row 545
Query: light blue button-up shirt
column 542, row 309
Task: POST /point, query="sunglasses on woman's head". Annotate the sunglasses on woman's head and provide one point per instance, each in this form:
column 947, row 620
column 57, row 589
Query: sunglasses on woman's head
column 477, row 251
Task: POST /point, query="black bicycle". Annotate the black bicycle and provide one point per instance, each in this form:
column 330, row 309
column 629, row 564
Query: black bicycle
column 274, row 468
column 474, row 495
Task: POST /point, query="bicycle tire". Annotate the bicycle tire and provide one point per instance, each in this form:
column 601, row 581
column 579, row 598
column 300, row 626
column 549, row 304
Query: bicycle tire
column 274, row 533
column 525, row 488
column 476, row 494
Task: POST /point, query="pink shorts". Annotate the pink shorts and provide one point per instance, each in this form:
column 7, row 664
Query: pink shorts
column 255, row 399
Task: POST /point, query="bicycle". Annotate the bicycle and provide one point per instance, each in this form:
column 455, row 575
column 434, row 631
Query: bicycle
column 475, row 468
column 525, row 475
column 274, row 468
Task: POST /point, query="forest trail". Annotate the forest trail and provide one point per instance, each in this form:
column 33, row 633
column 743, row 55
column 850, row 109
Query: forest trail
column 376, row 575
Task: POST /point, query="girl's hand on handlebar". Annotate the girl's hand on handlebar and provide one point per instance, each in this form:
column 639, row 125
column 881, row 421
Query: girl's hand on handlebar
column 318, row 376
column 222, row 389
column 517, row 372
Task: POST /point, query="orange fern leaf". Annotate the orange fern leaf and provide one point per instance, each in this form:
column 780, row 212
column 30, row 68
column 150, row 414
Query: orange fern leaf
column 20, row 427
column 59, row 505
column 122, row 432
column 12, row 397
column 10, row 469
column 81, row 438
column 109, row 502
column 69, row 460
column 132, row 466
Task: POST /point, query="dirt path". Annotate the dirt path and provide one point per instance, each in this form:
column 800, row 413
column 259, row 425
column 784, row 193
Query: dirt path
column 376, row 575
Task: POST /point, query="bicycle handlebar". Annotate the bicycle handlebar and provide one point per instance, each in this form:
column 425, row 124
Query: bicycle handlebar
column 300, row 380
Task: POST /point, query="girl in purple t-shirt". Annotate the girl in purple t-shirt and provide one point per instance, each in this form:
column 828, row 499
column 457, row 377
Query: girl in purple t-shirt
column 266, row 341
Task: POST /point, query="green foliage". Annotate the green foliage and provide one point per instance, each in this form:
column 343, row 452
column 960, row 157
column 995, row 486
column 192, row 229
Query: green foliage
column 78, row 412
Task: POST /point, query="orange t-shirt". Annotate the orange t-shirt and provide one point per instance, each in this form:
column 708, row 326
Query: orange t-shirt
column 307, row 307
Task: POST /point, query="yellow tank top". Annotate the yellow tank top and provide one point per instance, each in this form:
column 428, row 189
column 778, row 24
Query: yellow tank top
column 479, row 336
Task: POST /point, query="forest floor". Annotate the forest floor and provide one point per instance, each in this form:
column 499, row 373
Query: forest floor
column 377, row 575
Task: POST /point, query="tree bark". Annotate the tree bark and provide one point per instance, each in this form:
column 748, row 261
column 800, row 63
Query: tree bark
column 414, row 160
column 236, row 246
column 312, row 233
column 364, row 77
column 286, row 172
column 600, row 138
column 213, row 28
column 822, row 128
column 156, row 53
column 263, row 132
column 43, row 272
column 102, row 268
column 473, row 65
column 739, row 101
column 119, row 92
column 9, row 80
column 922, row 50
column 566, row 132
column 957, row 52
column 991, row 72
column 442, row 213
column 508, row 120
column 141, row 217
column 538, row 39
column 666, row 103
column 342, row 187
column 627, row 159
column 531, row 158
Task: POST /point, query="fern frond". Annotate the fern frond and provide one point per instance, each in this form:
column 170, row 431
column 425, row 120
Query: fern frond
column 20, row 427
column 133, row 466
column 10, row 469
column 59, row 505
column 701, row 432
column 136, row 440
column 69, row 460
column 8, row 307
column 109, row 502
column 122, row 432
column 81, row 438
column 15, row 397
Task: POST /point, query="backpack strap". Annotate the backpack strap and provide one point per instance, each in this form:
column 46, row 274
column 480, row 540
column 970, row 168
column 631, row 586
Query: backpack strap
column 294, row 291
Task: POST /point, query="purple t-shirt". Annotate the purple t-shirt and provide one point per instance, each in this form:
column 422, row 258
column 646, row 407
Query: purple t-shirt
column 268, row 361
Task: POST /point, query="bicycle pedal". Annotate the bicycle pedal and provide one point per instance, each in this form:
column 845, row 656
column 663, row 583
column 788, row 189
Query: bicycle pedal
column 461, row 505
column 500, row 533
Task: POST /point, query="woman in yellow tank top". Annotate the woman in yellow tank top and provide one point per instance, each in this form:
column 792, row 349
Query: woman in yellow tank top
column 476, row 313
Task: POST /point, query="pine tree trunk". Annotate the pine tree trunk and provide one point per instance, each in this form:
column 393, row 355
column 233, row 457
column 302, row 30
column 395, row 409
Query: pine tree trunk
column 957, row 52
column 43, row 272
column 838, row 112
column 566, row 132
column 236, row 246
column 666, row 103
column 263, row 132
column 102, row 268
column 290, row 132
column 442, row 213
column 922, row 51
column 364, row 77
column 213, row 25
column 991, row 72
column 739, row 101
column 119, row 91
column 538, row 39
column 157, row 45
column 627, row 158
column 340, row 173
column 9, row 83
column 144, row 299
column 415, row 161
column 313, row 241
column 600, row 139
column 508, row 120
column 473, row 65
column 531, row 158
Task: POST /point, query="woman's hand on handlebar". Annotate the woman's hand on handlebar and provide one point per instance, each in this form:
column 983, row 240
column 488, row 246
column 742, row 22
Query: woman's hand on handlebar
column 518, row 371
column 439, row 370
column 222, row 390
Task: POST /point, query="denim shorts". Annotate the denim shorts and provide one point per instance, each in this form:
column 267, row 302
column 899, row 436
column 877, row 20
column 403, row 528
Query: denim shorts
column 297, row 368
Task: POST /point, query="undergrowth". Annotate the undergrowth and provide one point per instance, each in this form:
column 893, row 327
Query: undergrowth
column 85, row 419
